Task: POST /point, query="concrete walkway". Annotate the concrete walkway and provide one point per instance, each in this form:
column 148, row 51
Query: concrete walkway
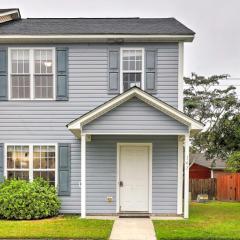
column 133, row 229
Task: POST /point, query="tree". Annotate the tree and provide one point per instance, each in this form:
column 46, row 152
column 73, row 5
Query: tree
column 233, row 162
column 206, row 102
column 224, row 138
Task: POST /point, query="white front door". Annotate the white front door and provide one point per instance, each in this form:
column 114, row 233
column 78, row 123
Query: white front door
column 134, row 178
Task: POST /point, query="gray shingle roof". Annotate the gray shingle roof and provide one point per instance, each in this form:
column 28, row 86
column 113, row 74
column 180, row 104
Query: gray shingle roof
column 39, row 26
column 199, row 158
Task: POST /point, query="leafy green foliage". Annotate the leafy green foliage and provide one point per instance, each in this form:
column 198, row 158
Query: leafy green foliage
column 210, row 104
column 20, row 199
column 233, row 162
column 224, row 138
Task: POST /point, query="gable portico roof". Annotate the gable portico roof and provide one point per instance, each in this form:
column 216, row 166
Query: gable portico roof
column 76, row 125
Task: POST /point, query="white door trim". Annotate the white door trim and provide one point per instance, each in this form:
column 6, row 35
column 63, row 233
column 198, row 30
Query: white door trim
column 149, row 174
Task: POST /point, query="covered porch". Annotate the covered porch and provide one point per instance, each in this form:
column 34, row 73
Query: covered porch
column 134, row 156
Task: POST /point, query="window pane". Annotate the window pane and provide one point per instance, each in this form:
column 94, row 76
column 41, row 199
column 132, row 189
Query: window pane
column 131, row 80
column 43, row 86
column 18, row 157
column 43, row 61
column 24, row 175
column 46, row 175
column 20, row 86
column 14, row 58
column 20, row 61
column 37, row 61
column 139, row 65
column 43, row 162
column 132, row 65
column 44, row 157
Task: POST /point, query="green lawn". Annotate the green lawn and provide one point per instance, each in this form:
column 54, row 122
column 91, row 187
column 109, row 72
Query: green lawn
column 59, row 227
column 213, row 220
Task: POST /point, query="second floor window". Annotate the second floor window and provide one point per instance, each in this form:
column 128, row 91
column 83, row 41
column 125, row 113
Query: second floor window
column 32, row 73
column 132, row 68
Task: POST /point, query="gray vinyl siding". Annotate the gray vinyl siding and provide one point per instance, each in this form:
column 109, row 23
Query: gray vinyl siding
column 45, row 121
column 135, row 116
column 102, row 172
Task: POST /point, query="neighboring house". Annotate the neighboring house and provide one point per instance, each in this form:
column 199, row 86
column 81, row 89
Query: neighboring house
column 9, row 14
column 94, row 106
column 202, row 168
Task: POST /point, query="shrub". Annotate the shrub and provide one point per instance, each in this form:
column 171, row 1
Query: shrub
column 233, row 162
column 20, row 199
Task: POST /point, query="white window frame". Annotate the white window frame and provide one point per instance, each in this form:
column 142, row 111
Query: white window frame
column 31, row 169
column 129, row 71
column 31, row 72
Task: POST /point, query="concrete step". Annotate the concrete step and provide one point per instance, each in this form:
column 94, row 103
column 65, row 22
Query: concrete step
column 134, row 215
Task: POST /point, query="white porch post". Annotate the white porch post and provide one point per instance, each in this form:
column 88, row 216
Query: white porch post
column 180, row 176
column 83, row 175
column 186, row 177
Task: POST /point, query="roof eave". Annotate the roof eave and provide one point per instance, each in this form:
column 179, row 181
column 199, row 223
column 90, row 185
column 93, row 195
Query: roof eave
column 75, row 38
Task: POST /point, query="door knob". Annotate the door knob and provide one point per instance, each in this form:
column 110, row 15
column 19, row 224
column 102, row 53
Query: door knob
column 121, row 183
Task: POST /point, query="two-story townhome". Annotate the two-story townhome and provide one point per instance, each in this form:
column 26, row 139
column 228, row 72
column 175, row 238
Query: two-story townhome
column 94, row 106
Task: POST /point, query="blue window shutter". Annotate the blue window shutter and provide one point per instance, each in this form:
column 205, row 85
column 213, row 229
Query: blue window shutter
column 150, row 69
column 64, row 169
column 62, row 74
column 3, row 74
column 113, row 71
column 1, row 161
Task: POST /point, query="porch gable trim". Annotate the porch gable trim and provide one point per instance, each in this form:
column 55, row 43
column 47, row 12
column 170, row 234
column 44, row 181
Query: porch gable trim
column 145, row 97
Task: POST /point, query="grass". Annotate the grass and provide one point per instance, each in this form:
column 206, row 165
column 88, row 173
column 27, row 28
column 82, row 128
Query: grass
column 59, row 227
column 213, row 220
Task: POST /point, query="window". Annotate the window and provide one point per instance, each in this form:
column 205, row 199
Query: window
column 18, row 162
column 31, row 161
column 20, row 74
column 44, row 162
column 32, row 73
column 132, row 68
column 43, row 74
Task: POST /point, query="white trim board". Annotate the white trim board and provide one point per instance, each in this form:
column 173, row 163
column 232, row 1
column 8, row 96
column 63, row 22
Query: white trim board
column 119, row 144
column 66, row 38
column 180, row 176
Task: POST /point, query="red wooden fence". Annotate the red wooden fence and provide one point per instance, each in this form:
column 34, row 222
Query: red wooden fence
column 228, row 187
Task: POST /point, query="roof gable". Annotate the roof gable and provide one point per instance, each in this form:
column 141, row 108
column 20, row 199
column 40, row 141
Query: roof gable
column 200, row 159
column 135, row 116
column 145, row 97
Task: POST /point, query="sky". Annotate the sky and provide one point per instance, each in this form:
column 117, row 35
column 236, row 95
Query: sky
column 215, row 49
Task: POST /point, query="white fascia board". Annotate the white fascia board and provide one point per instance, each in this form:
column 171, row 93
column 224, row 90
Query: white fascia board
column 168, row 110
column 48, row 38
